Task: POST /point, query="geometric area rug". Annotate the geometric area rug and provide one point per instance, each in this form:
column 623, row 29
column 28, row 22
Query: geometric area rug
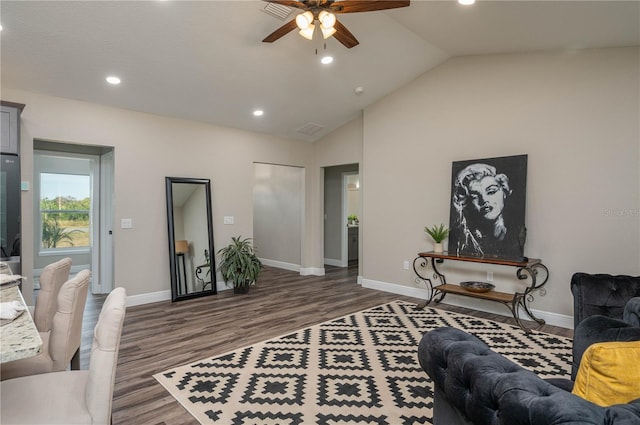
column 358, row 369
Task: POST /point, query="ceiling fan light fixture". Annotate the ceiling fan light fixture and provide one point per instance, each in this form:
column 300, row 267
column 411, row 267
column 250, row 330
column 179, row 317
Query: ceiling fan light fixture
column 308, row 32
column 327, row 32
column 328, row 20
column 304, row 20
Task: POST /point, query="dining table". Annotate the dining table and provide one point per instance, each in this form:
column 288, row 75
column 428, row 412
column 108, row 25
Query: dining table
column 19, row 338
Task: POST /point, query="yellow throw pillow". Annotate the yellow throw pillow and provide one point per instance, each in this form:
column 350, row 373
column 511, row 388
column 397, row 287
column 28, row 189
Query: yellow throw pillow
column 609, row 373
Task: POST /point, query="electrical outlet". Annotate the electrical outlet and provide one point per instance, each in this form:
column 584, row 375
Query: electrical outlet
column 406, row 265
column 490, row 276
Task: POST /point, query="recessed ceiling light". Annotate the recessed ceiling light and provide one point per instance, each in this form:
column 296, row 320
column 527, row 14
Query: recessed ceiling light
column 466, row 2
column 258, row 113
column 113, row 80
column 326, row 60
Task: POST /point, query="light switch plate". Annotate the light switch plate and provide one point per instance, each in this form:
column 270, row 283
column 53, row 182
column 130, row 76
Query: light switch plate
column 228, row 219
column 126, row 223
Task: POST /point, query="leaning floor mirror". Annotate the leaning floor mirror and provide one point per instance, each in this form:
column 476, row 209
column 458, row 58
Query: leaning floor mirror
column 190, row 224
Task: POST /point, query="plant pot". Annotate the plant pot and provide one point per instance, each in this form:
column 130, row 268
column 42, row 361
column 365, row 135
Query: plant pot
column 241, row 289
column 437, row 247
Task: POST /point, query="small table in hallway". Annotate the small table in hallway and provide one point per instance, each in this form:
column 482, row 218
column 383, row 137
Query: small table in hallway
column 19, row 338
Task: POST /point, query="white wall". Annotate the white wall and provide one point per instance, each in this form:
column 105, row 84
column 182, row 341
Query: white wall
column 146, row 149
column 577, row 116
column 278, row 203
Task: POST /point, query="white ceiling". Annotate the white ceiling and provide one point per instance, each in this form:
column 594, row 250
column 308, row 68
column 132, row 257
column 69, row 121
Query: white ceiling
column 204, row 60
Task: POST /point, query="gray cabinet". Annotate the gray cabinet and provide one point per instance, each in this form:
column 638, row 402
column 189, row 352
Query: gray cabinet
column 352, row 243
column 10, row 127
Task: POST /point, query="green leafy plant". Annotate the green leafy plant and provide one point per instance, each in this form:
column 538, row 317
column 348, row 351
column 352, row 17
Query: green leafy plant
column 238, row 263
column 437, row 233
column 53, row 233
column 352, row 218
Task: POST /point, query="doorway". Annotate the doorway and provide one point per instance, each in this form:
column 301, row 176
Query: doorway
column 73, row 210
column 341, row 201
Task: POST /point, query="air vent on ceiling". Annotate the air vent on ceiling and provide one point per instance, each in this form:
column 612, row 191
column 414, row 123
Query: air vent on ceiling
column 310, row 129
column 278, row 10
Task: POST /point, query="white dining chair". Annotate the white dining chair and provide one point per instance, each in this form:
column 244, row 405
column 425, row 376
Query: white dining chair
column 75, row 396
column 62, row 343
column 51, row 279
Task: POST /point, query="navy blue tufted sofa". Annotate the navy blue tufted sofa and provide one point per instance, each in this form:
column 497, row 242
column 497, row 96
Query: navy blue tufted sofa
column 474, row 385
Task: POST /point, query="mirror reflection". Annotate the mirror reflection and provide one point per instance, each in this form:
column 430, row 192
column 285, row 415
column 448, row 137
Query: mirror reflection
column 190, row 237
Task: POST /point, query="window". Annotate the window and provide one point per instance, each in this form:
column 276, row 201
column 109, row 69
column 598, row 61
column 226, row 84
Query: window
column 65, row 211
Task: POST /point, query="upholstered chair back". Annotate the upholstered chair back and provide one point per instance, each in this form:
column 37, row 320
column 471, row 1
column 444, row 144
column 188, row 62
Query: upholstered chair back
column 66, row 328
column 104, row 357
column 60, row 344
column 602, row 294
column 51, row 280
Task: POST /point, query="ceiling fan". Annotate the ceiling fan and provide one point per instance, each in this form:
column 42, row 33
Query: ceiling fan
column 324, row 12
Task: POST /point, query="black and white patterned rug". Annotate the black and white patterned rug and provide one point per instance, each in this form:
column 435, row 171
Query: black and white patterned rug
column 358, row 369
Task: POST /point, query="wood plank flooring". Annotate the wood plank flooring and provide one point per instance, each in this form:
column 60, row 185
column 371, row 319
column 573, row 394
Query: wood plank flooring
column 162, row 335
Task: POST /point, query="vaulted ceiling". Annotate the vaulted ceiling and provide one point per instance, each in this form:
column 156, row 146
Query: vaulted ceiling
column 204, row 60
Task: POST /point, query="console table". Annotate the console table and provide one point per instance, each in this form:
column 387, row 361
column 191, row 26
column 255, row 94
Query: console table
column 527, row 269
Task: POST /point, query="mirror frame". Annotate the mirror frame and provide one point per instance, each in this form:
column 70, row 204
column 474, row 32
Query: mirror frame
column 175, row 294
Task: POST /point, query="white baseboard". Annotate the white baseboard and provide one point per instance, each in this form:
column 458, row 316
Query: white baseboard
column 334, row 262
column 315, row 271
column 153, row 297
column 281, row 264
column 550, row 318
column 304, row 271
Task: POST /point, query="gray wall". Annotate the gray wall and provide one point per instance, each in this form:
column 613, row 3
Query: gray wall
column 278, row 204
column 576, row 115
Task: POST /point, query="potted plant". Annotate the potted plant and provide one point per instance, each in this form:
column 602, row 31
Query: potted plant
column 352, row 220
column 438, row 234
column 239, row 264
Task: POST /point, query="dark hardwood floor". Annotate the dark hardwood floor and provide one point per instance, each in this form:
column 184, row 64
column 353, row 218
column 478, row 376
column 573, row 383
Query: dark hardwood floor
column 162, row 335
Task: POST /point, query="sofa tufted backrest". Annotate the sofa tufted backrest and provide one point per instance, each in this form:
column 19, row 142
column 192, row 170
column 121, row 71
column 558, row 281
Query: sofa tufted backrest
column 602, row 294
column 487, row 388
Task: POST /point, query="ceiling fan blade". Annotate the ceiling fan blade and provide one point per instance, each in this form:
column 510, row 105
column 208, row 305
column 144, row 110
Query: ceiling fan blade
column 282, row 31
column 344, row 36
column 290, row 3
column 354, row 6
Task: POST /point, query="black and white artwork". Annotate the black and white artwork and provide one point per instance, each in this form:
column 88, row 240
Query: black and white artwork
column 488, row 198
